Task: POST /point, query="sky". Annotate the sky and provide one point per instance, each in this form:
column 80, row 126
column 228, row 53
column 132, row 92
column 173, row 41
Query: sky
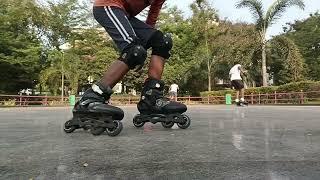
column 226, row 9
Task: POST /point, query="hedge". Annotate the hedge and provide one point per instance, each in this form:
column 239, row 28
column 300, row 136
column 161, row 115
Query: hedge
column 291, row 87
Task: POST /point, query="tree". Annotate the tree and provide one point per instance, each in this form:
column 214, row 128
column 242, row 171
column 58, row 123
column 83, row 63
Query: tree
column 205, row 21
column 306, row 35
column 235, row 44
column 264, row 20
column 64, row 67
column 20, row 47
column 96, row 52
column 183, row 62
column 62, row 21
column 286, row 62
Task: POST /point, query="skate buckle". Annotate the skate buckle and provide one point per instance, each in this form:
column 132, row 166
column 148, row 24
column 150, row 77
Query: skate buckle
column 161, row 102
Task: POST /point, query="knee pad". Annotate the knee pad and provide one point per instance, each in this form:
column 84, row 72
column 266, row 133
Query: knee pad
column 161, row 44
column 134, row 55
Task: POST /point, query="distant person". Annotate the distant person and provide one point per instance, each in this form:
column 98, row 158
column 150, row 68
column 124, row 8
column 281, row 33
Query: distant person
column 173, row 92
column 237, row 83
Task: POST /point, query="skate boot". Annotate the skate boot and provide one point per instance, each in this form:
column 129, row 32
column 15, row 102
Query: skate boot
column 242, row 103
column 154, row 107
column 93, row 113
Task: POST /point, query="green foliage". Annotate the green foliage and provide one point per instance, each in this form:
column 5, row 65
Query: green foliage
column 257, row 90
column 10, row 103
column 256, row 9
column 304, row 86
column 235, row 44
column 263, row 22
column 61, row 20
column 205, row 48
column 306, row 35
column 184, row 62
column 277, row 9
column 300, row 86
column 62, row 64
column 274, row 12
column 286, row 61
column 19, row 47
column 96, row 54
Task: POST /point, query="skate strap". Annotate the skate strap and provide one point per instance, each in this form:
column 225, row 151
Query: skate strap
column 101, row 90
column 154, row 84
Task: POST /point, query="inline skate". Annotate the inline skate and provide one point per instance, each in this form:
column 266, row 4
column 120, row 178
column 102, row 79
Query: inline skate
column 242, row 103
column 154, row 107
column 92, row 113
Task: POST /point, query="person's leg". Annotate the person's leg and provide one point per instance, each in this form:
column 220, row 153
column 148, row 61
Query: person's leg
column 92, row 111
column 242, row 95
column 235, row 86
column 160, row 44
column 156, row 67
column 118, row 27
column 237, row 96
column 241, row 89
column 152, row 99
column 114, row 74
column 171, row 95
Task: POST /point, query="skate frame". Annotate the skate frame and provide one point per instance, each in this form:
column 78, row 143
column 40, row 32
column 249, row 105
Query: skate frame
column 155, row 118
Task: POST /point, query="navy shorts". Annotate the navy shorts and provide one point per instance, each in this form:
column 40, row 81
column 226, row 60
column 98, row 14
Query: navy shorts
column 123, row 29
column 237, row 84
column 173, row 93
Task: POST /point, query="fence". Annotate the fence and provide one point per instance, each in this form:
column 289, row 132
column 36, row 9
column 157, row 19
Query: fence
column 312, row 97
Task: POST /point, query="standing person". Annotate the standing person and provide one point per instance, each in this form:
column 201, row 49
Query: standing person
column 173, row 92
column 132, row 37
column 237, row 83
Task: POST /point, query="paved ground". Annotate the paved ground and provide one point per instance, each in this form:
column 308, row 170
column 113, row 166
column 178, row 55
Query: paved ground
column 223, row 142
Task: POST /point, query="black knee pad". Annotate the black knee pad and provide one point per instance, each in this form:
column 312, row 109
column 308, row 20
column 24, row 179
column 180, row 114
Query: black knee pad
column 161, row 44
column 134, row 55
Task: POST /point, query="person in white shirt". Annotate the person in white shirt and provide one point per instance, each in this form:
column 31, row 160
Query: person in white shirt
column 236, row 82
column 173, row 91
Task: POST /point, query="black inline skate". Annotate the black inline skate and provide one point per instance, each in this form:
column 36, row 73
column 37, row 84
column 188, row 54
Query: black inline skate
column 92, row 113
column 242, row 103
column 154, row 107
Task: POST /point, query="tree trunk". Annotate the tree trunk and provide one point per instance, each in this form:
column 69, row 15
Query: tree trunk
column 62, row 86
column 253, row 83
column 264, row 63
column 208, row 59
column 209, row 79
column 62, row 78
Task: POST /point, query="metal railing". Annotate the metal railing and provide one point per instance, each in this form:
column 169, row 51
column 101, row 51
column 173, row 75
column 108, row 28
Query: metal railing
column 311, row 97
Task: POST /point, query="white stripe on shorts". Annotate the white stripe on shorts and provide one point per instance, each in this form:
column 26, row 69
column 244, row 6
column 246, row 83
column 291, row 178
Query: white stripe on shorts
column 131, row 26
column 118, row 28
column 120, row 24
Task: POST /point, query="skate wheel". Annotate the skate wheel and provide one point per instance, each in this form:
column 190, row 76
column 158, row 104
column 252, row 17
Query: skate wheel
column 97, row 130
column 167, row 124
column 86, row 128
column 187, row 122
column 68, row 128
column 137, row 121
column 115, row 130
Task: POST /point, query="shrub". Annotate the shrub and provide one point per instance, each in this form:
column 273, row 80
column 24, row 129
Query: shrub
column 10, row 102
column 56, row 103
column 298, row 86
column 305, row 86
